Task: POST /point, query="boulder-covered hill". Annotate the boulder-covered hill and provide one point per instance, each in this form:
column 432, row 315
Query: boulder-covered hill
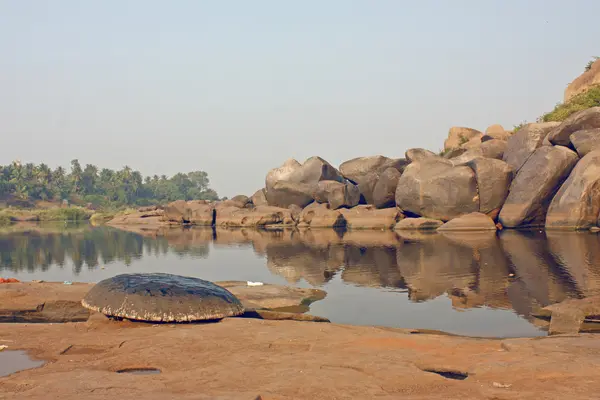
column 543, row 174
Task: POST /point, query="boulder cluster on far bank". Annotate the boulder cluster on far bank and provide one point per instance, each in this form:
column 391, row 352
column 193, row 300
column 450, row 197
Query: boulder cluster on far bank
column 545, row 174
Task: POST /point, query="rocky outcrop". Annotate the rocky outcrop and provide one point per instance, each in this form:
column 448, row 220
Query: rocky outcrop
column 435, row 189
column 469, row 222
column 200, row 213
column 318, row 215
column 365, row 172
column 581, row 120
column 534, row 186
column 586, row 141
column 493, row 180
column 384, row 193
column 259, row 198
column 577, row 203
column 369, row 217
column 522, row 144
column 176, row 211
column 295, row 184
column 459, row 136
column 337, row 194
column 423, row 224
column 584, row 81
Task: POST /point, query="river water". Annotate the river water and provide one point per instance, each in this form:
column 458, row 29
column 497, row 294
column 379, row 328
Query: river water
column 477, row 284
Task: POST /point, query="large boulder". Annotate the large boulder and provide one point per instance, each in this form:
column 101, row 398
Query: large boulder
column 365, row 172
column 534, row 186
column 522, row 144
column 285, row 193
column 435, row 189
column 496, row 132
column 585, row 119
column 413, row 155
column 577, row 203
column 493, row 180
column 469, row 222
column 459, row 136
column 384, row 193
column 586, row 141
column 240, row 201
column 584, row 81
column 318, row 215
column 369, row 217
column 337, row 194
column 295, row 184
column 490, row 149
column 259, row 198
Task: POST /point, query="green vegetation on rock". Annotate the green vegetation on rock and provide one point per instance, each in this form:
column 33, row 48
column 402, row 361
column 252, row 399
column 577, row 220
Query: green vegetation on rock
column 588, row 99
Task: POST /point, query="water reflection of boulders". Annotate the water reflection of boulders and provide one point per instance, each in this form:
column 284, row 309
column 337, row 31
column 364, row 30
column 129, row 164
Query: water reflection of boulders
column 520, row 270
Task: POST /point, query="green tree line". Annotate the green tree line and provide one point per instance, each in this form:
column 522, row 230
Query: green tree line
column 101, row 187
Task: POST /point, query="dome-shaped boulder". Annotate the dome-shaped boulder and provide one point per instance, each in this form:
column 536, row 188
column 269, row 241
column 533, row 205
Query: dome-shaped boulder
column 159, row 297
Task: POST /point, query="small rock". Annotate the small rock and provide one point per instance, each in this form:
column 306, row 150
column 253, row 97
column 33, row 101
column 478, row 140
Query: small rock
column 501, row 385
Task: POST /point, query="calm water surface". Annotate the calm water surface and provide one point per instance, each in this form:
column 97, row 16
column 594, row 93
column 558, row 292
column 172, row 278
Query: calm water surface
column 480, row 284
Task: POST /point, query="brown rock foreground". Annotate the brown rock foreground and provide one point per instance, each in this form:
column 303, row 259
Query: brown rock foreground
column 241, row 358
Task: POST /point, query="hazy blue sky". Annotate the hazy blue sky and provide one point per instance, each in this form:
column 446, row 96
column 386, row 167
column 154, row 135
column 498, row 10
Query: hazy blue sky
column 236, row 87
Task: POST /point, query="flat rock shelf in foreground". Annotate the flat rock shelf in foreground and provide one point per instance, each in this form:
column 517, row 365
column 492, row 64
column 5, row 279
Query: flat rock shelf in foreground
column 159, row 297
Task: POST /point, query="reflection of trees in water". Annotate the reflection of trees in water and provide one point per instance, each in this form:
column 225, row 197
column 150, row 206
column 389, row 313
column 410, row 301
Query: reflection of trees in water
column 37, row 249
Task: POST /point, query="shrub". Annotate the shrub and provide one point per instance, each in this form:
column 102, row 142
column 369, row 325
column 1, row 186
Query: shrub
column 588, row 66
column 588, row 99
column 64, row 214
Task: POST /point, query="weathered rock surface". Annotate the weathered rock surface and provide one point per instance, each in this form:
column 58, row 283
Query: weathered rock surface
column 577, row 203
column 469, row 222
column 586, row 140
column 424, row 224
column 458, row 136
column 369, row 217
column 161, row 298
column 581, row 120
column 259, row 198
column 533, row 188
column 384, row 193
column 318, row 215
column 567, row 316
column 522, row 144
column 337, row 194
column 240, row 201
column 261, row 216
column 490, row 149
column 584, row 81
column 437, row 190
column 414, row 155
column 493, row 180
column 295, row 184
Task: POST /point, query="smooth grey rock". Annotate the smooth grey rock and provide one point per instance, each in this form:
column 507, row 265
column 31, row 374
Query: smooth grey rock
column 490, row 149
column 337, row 194
column 577, row 203
column 161, row 297
column 365, row 172
column 493, row 180
column 521, row 145
column 584, row 119
column 586, row 140
column 384, row 193
column 532, row 190
column 259, row 198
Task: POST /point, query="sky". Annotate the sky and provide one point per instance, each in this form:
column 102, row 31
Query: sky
column 236, row 87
